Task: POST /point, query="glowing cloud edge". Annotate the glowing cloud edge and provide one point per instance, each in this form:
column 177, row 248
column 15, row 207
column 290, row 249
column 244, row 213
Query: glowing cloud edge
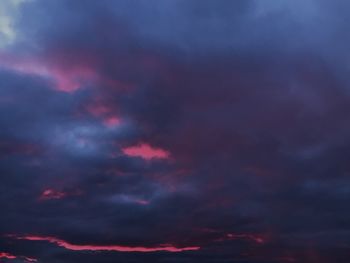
column 118, row 248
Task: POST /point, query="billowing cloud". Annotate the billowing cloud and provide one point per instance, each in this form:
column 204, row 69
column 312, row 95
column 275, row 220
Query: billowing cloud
column 174, row 131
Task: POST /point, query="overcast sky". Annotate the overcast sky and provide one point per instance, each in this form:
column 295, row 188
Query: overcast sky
column 174, row 131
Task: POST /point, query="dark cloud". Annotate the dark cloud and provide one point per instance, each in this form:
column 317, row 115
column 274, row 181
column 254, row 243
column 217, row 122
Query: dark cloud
column 218, row 130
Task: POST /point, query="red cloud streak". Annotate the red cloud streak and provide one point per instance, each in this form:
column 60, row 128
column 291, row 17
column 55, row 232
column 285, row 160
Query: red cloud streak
column 146, row 151
column 10, row 256
column 51, row 194
column 67, row 245
column 7, row 255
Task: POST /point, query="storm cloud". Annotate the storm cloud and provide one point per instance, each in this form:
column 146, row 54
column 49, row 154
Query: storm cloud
column 174, row 131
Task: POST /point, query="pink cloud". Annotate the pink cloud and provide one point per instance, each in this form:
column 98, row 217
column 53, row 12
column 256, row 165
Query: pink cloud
column 98, row 109
column 256, row 238
column 104, row 112
column 146, row 152
column 69, row 246
column 30, row 259
column 51, row 194
column 132, row 199
column 111, row 121
column 7, row 255
column 66, row 79
column 10, row 256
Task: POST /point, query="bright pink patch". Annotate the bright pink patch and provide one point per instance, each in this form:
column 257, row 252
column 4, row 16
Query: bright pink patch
column 66, row 80
column 51, row 194
column 146, row 151
column 105, row 113
column 30, row 259
column 67, row 245
column 7, row 255
column 72, row 79
column 111, row 121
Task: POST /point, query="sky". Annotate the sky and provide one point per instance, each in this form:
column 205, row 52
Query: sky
column 174, row 131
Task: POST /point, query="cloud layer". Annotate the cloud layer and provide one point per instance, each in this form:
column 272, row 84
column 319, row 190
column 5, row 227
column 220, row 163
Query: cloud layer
column 174, row 131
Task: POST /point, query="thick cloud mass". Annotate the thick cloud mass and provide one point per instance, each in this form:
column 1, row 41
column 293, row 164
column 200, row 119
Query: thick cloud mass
column 174, row 131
